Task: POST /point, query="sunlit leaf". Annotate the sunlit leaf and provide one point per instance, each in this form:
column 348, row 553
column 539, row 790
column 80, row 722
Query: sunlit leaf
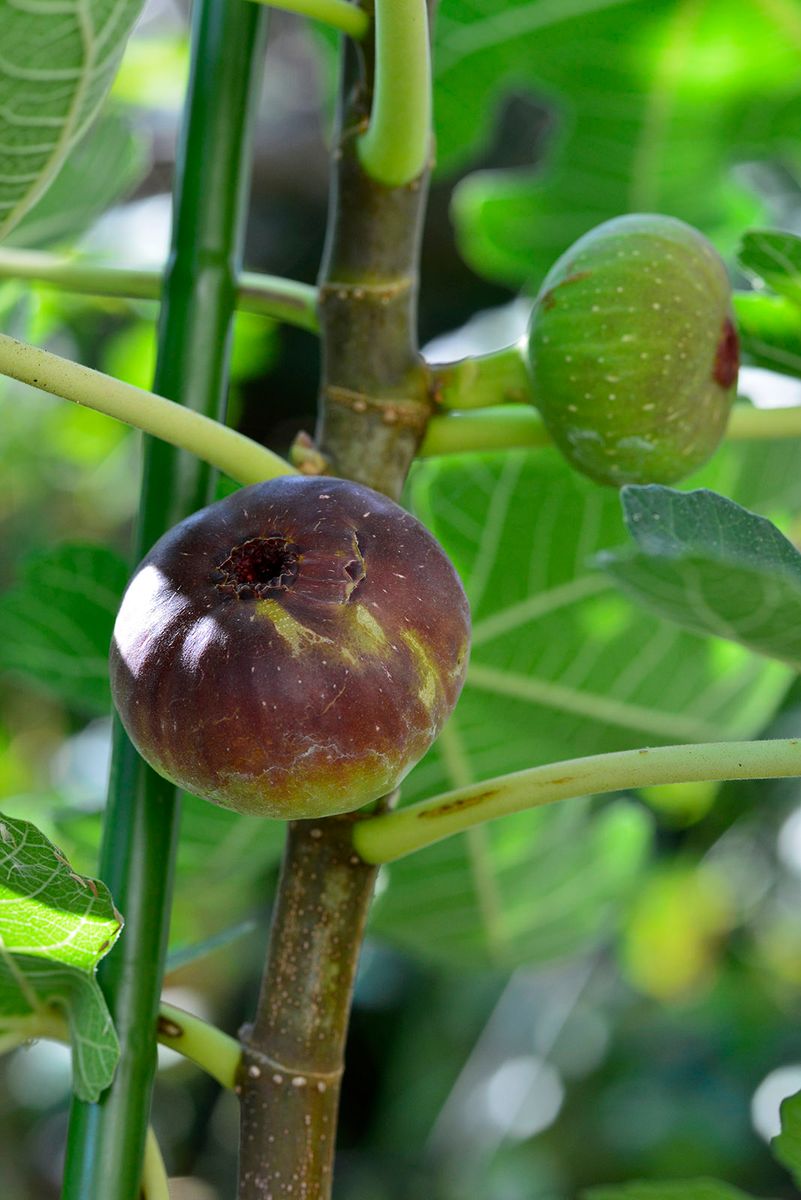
column 648, row 113
column 55, row 926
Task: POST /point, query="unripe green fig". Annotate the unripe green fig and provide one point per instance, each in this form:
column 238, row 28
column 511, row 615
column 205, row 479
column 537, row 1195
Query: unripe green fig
column 292, row 650
column 633, row 351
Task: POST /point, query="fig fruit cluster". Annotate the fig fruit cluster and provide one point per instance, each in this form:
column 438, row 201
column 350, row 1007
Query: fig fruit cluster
column 633, row 351
column 292, row 650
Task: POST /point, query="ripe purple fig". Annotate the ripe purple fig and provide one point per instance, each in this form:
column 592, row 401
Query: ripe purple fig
column 633, row 351
column 292, row 650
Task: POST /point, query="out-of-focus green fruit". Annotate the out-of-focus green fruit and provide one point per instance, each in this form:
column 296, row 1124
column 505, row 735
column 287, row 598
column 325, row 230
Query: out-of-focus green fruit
column 633, row 351
column 292, row 650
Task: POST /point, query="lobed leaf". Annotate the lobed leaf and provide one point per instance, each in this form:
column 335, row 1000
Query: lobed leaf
column 638, row 117
column 562, row 665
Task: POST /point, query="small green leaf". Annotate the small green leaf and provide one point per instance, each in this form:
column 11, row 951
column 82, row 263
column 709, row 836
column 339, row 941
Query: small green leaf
column 56, row 67
column 712, row 567
column 786, row 1146
column 676, row 1189
column 773, row 257
column 55, row 926
column 56, row 622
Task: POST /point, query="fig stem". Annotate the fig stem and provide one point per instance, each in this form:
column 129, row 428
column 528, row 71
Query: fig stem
column 238, row 456
column 339, row 14
column 293, row 1052
column 501, row 377
column 396, row 146
column 270, row 296
column 155, row 1182
column 518, row 426
column 392, row 835
column 218, row 1054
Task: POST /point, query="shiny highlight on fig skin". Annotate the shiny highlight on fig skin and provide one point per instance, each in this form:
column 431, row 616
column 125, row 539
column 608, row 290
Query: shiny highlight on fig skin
column 292, row 650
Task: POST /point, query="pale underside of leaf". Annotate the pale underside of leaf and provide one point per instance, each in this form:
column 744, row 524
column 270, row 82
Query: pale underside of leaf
column 58, row 59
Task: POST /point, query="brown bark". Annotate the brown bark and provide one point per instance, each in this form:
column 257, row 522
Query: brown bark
column 293, row 1051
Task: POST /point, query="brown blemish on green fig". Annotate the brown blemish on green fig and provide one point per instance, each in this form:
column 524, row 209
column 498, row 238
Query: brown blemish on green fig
column 292, row 650
column 634, row 364
column 727, row 356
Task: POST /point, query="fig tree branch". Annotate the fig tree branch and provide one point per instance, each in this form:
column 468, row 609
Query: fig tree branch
column 238, row 456
column 265, row 295
column 392, row 835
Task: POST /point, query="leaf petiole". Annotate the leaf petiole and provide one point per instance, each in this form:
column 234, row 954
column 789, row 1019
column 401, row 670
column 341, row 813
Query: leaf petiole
column 238, row 456
column 270, row 296
column 392, row 835
column 218, row 1054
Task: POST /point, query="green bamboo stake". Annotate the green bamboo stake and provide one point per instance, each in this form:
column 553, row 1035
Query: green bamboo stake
column 106, row 1140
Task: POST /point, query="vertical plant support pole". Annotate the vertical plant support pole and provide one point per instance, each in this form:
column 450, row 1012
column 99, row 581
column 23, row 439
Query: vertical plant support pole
column 374, row 406
column 106, row 1140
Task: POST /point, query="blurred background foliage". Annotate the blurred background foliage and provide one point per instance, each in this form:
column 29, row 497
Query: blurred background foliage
column 586, row 995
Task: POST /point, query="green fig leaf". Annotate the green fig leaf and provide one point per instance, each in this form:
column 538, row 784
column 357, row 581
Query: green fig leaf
column 56, row 67
column 55, row 926
column 56, row 622
column 712, row 567
column 638, row 120
column 563, row 665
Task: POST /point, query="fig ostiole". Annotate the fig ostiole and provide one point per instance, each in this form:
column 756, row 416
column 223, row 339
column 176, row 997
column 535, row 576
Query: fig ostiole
column 633, row 351
column 292, row 650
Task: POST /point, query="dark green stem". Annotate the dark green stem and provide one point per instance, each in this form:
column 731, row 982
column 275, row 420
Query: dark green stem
column 293, row 1052
column 106, row 1140
column 375, row 398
